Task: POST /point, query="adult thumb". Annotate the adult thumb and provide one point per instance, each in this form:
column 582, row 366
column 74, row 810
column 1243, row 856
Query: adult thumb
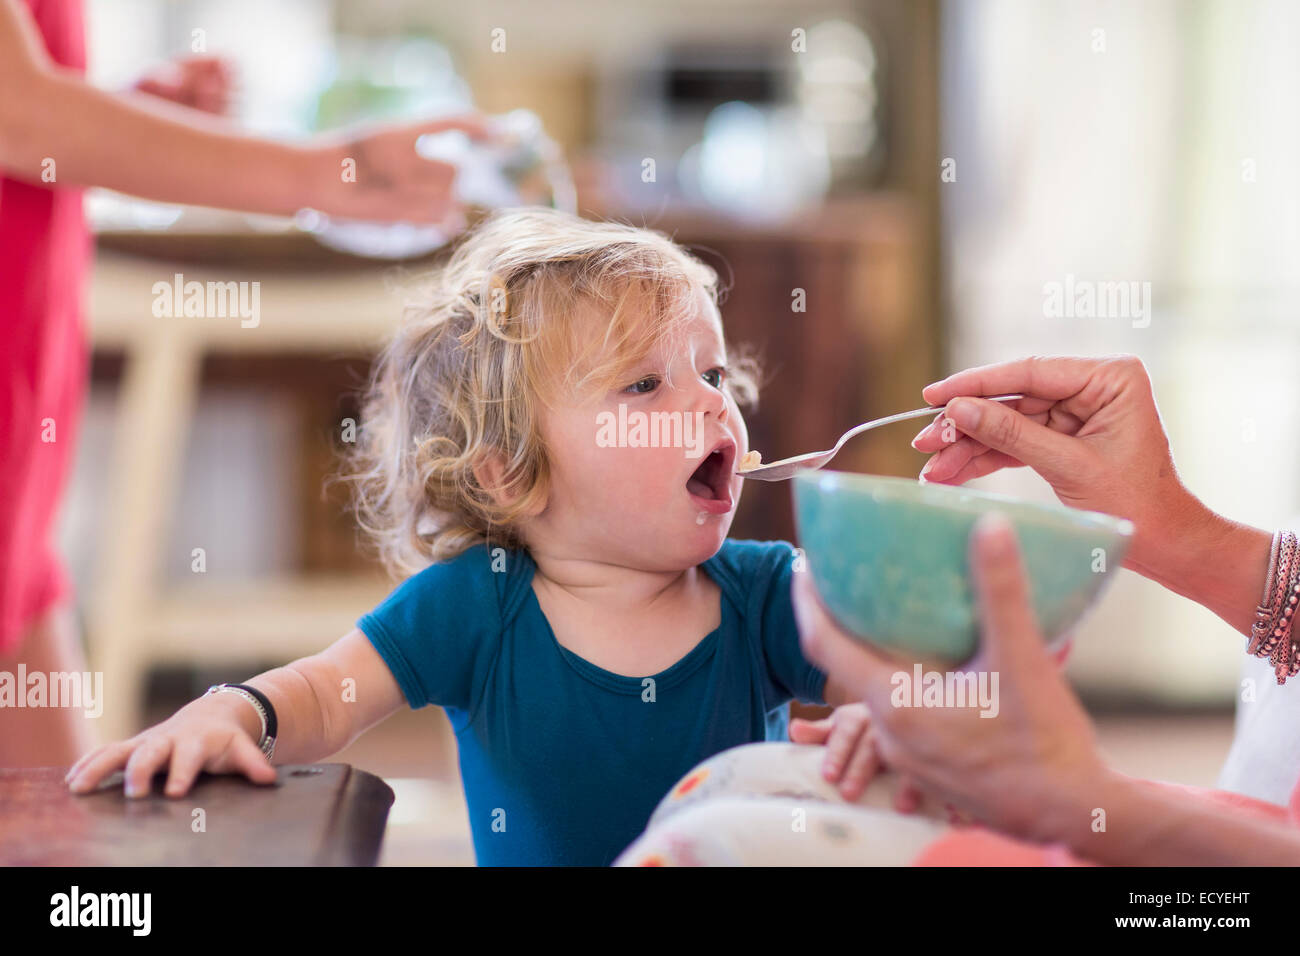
column 1007, row 625
column 1053, row 455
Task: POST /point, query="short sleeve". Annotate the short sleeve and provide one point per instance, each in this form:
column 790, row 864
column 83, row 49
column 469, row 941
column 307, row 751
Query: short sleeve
column 438, row 631
column 788, row 668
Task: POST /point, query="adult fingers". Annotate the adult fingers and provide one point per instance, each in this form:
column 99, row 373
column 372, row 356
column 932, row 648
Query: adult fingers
column 942, row 432
column 1053, row 377
column 431, row 173
column 473, row 124
column 907, row 795
column 1053, row 455
column 952, row 457
column 977, row 467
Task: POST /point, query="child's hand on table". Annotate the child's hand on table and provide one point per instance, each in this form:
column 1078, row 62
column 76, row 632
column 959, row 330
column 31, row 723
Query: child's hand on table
column 213, row 733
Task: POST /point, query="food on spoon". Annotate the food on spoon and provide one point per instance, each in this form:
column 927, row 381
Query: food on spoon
column 751, row 461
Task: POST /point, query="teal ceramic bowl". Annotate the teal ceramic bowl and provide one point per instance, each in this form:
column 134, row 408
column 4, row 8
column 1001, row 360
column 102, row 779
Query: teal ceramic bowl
column 889, row 558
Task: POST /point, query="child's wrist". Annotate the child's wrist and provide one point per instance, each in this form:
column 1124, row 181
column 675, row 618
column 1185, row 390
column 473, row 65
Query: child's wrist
column 236, row 708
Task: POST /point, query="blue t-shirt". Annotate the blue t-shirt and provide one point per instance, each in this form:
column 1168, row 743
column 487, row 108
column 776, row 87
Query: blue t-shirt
column 563, row 761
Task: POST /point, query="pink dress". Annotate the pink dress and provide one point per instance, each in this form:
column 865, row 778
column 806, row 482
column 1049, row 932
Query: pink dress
column 45, row 254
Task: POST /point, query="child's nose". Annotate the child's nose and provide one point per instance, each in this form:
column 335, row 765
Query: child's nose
column 710, row 400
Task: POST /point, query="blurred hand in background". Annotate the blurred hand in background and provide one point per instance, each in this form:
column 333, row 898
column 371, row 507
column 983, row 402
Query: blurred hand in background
column 199, row 82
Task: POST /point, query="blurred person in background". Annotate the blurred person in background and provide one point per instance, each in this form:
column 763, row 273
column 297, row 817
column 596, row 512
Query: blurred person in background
column 164, row 140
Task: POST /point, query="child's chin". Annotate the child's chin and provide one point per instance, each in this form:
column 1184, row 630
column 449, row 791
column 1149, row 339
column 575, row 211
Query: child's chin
column 687, row 550
column 708, row 535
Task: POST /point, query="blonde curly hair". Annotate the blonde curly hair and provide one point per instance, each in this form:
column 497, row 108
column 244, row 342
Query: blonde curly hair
column 533, row 307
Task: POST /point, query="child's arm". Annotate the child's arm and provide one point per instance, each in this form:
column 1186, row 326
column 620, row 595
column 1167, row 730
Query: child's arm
column 836, row 695
column 322, row 703
column 331, row 698
column 139, row 144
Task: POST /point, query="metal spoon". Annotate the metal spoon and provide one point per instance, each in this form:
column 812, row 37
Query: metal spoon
column 786, row 467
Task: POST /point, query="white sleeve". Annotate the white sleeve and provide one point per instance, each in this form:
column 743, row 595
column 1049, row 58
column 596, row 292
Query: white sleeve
column 1264, row 760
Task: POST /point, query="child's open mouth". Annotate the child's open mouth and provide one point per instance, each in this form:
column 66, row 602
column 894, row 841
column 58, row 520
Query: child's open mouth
column 710, row 483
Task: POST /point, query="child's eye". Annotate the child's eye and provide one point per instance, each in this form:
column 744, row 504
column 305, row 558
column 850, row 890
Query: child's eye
column 645, row 386
column 720, row 372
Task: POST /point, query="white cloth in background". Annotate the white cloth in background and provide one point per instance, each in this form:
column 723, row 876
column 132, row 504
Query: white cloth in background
column 1264, row 760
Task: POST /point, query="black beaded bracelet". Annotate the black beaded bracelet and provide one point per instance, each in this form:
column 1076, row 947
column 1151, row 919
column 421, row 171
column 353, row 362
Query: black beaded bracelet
column 266, row 704
column 265, row 713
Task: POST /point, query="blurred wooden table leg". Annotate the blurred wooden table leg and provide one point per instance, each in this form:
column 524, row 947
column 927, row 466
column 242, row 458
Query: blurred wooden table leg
column 156, row 400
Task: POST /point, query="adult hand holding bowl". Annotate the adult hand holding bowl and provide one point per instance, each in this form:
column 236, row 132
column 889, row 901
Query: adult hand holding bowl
column 1090, row 428
column 1035, row 768
column 1036, row 772
column 888, row 556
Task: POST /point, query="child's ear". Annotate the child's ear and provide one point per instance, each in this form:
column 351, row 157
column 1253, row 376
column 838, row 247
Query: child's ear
column 489, row 472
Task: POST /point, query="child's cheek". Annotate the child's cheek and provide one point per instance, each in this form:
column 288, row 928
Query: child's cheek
column 628, row 478
column 662, row 469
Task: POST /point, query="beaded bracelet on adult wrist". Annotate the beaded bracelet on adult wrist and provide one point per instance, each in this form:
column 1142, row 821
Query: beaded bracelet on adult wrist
column 1271, row 634
column 1262, row 629
column 1271, row 607
column 1283, row 657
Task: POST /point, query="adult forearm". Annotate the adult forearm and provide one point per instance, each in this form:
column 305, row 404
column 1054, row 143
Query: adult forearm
column 1218, row 563
column 1148, row 825
column 148, row 147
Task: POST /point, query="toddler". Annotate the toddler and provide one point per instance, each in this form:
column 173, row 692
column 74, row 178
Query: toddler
column 548, row 449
